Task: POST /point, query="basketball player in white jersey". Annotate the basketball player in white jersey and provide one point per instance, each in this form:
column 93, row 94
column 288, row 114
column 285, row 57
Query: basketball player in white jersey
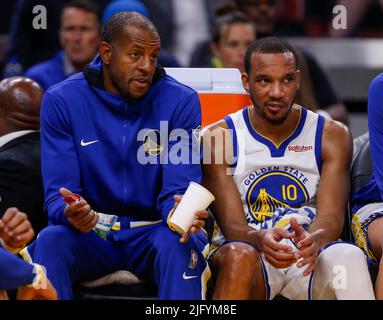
column 281, row 192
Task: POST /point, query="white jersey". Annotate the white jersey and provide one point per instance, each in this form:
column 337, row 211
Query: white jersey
column 271, row 177
column 277, row 183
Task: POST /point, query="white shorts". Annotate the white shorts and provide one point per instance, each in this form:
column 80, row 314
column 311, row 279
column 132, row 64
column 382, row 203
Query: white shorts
column 293, row 285
column 288, row 282
column 359, row 227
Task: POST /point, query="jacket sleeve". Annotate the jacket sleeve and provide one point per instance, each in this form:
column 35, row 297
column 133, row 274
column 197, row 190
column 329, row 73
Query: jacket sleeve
column 183, row 163
column 59, row 163
column 14, row 272
column 375, row 120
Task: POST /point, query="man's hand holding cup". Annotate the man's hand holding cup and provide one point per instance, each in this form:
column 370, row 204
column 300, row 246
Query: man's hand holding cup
column 189, row 213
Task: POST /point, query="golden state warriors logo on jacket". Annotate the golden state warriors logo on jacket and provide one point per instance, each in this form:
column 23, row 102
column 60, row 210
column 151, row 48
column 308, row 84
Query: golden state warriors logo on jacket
column 270, row 176
column 152, row 142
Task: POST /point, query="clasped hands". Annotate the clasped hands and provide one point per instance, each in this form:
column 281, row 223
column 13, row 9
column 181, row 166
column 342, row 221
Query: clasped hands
column 282, row 256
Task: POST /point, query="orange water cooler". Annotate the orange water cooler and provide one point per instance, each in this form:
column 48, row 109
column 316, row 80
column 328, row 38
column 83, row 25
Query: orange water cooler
column 220, row 90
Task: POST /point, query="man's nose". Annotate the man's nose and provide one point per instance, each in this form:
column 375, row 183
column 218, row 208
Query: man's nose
column 146, row 64
column 77, row 35
column 276, row 91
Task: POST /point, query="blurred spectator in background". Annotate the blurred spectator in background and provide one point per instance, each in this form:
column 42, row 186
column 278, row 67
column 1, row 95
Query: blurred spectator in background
column 28, row 46
column 284, row 18
column 79, row 38
column 20, row 168
column 233, row 32
column 182, row 24
column 117, row 6
column 306, row 95
column 166, row 59
column 263, row 13
column 232, row 35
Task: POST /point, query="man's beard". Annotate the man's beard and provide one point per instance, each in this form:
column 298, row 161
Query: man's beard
column 273, row 121
column 123, row 91
column 277, row 121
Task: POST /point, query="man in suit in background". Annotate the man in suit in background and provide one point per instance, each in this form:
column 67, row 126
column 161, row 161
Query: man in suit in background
column 20, row 170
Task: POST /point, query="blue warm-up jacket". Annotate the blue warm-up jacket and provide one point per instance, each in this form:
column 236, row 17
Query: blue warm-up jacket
column 93, row 142
column 373, row 191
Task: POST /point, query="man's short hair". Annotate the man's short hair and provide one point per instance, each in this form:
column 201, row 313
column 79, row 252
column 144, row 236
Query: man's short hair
column 85, row 5
column 268, row 45
column 115, row 27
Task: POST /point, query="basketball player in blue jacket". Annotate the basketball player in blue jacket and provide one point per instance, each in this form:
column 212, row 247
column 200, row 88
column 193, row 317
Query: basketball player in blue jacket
column 280, row 192
column 110, row 138
column 367, row 222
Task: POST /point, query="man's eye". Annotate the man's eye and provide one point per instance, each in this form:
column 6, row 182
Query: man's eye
column 232, row 44
column 69, row 29
column 134, row 55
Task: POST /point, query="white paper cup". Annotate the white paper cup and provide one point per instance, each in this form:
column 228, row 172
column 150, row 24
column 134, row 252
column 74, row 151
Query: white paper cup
column 196, row 198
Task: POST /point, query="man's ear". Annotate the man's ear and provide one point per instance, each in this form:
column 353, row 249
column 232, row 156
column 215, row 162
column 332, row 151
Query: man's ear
column 105, row 52
column 245, row 82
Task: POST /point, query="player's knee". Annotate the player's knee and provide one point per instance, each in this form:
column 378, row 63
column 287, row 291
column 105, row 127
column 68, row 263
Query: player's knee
column 343, row 253
column 239, row 254
column 348, row 270
column 349, row 250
